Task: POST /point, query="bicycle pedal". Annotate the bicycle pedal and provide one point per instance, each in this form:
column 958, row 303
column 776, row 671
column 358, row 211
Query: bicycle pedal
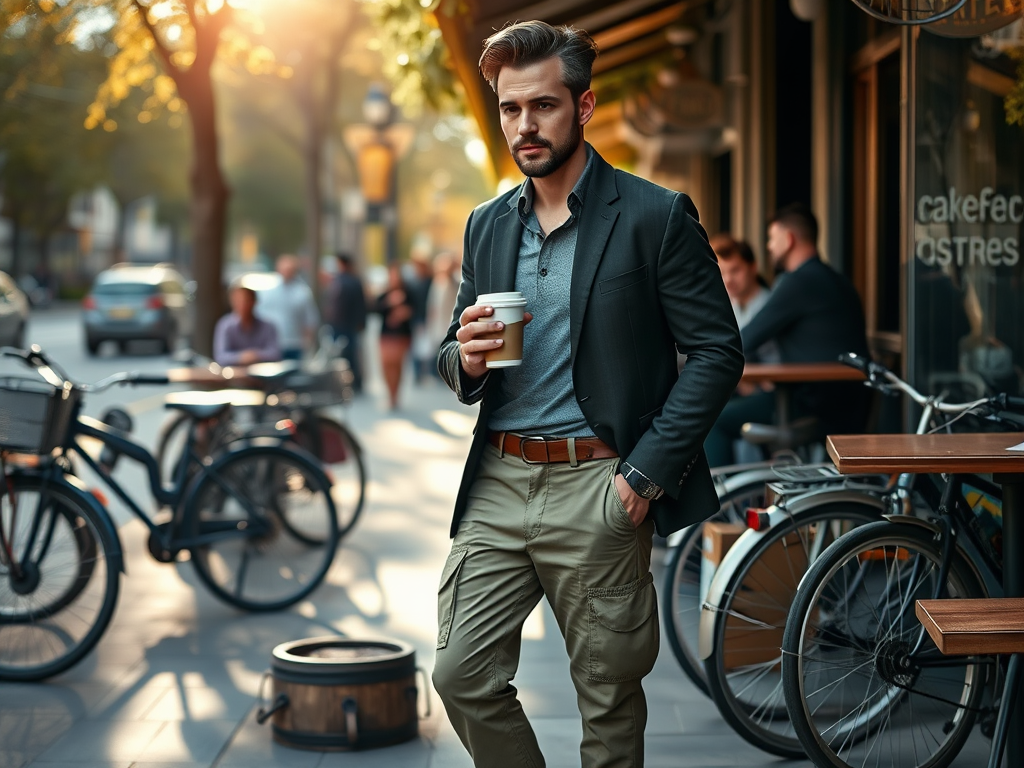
column 157, row 549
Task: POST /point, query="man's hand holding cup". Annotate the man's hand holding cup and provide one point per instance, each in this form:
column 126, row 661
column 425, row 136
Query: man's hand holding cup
column 491, row 335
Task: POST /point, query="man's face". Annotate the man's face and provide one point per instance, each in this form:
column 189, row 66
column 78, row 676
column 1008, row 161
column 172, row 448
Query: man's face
column 287, row 267
column 242, row 302
column 542, row 124
column 739, row 277
column 780, row 243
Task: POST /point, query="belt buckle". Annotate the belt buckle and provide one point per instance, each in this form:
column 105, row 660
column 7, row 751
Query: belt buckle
column 532, row 439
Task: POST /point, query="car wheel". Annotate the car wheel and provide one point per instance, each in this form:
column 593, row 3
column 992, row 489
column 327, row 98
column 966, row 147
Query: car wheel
column 169, row 342
column 92, row 346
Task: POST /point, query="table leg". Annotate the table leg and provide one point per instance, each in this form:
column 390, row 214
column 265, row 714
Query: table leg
column 1013, row 586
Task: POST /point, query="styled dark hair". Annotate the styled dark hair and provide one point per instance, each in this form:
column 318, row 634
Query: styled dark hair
column 344, row 258
column 527, row 42
column 726, row 246
column 800, row 220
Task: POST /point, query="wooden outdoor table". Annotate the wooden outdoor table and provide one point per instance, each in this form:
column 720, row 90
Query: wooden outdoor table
column 960, row 453
column 784, row 375
column 204, row 378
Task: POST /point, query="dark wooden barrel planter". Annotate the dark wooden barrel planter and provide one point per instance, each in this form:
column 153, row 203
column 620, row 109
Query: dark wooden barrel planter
column 333, row 693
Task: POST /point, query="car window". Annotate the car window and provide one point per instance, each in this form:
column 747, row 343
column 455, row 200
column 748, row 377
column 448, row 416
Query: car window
column 124, row 289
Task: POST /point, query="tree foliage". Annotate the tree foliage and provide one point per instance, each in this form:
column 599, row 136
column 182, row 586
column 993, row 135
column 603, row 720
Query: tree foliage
column 415, row 58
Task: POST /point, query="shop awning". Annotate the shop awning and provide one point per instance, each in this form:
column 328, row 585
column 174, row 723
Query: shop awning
column 627, row 32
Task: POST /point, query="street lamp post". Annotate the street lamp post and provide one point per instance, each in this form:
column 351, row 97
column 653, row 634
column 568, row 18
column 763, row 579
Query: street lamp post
column 378, row 145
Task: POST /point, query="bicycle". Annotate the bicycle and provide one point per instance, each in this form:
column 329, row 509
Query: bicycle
column 258, row 522
column 863, row 683
column 739, row 487
column 748, row 601
column 300, row 395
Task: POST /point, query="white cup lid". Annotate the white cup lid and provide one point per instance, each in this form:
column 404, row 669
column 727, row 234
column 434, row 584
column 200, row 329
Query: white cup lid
column 506, row 299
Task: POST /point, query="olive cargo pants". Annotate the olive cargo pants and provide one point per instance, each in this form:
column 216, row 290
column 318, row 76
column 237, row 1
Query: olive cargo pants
column 562, row 532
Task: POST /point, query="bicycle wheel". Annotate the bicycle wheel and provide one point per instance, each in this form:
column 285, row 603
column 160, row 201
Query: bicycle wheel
column 59, row 578
column 682, row 580
column 342, row 457
column 864, row 684
column 170, row 444
column 743, row 670
column 267, row 527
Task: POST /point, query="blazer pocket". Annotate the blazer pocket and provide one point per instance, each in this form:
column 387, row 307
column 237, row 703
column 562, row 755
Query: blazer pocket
column 646, row 419
column 624, row 280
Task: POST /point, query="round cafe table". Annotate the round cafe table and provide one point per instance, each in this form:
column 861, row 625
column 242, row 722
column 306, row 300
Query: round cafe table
column 952, row 454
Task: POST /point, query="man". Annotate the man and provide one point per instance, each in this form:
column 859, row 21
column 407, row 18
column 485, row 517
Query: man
column 346, row 308
column 595, row 440
column 814, row 315
column 291, row 307
column 241, row 338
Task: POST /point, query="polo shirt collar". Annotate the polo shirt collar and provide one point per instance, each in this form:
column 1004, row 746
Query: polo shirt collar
column 524, row 200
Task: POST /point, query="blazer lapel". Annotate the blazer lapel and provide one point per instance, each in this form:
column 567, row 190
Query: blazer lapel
column 504, row 256
column 595, row 227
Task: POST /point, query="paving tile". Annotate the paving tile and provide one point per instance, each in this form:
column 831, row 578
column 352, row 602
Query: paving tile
column 200, row 704
column 85, row 742
column 25, row 735
column 411, row 754
column 253, row 745
column 181, row 741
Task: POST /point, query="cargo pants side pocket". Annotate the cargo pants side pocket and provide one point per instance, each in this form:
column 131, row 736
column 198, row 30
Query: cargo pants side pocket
column 624, row 631
column 447, row 592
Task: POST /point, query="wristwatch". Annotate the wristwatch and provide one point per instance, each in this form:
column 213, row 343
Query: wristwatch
column 641, row 484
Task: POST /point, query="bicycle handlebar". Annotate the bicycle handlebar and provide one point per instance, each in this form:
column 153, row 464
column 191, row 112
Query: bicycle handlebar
column 35, row 358
column 881, row 378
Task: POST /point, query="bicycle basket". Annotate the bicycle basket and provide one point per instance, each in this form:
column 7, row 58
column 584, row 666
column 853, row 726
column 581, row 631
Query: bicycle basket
column 321, row 389
column 34, row 415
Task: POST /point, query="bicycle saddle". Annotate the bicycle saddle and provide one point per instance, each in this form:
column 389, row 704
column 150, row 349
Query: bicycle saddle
column 271, row 371
column 799, row 432
column 207, row 405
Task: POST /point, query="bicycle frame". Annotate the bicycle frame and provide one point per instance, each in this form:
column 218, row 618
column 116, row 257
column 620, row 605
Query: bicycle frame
column 171, row 497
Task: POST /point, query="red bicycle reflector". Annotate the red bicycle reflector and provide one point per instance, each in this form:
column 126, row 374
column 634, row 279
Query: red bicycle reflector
column 286, row 425
column 757, row 519
column 99, row 496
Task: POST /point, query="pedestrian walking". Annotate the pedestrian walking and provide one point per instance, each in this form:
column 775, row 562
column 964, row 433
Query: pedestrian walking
column 444, row 290
column 423, row 354
column 594, row 441
column 395, row 306
column 291, row 307
column 346, row 312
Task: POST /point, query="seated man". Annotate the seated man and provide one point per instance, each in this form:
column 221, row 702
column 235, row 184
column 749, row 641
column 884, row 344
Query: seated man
column 240, row 337
column 748, row 292
column 814, row 315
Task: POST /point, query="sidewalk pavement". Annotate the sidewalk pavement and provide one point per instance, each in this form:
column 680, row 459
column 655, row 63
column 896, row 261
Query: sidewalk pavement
column 173, row 682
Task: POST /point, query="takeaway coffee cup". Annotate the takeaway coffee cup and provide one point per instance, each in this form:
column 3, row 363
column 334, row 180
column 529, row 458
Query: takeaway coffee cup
column 508, row 309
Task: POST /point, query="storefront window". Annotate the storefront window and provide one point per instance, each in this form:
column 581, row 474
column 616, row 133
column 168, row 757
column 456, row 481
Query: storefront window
column 966, row 319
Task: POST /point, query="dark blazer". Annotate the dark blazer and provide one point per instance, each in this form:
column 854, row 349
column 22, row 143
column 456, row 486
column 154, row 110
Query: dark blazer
column 644, row 282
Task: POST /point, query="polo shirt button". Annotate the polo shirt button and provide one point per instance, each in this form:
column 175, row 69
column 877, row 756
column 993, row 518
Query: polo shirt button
column 544, row 273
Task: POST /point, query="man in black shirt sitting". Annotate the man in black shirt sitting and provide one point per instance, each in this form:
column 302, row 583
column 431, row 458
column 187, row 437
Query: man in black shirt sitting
column 814, row 315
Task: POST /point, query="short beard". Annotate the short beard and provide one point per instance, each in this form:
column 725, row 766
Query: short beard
column 538, row 169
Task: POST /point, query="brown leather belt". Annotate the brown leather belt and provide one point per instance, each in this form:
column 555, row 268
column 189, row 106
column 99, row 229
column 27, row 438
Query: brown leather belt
column 538, row 450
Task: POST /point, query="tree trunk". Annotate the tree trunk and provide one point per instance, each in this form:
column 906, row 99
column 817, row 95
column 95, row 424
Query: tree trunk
column 208, row 209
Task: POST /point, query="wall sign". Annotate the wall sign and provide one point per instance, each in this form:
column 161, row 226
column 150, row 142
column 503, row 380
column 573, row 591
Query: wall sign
column 971, row 212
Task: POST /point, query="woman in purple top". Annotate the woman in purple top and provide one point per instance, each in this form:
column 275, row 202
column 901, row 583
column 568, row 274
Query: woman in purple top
column 240, row 337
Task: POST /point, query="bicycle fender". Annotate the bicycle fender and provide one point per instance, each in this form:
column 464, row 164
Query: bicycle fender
column 75, row 487
column 725, row 485
column 745, row 543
